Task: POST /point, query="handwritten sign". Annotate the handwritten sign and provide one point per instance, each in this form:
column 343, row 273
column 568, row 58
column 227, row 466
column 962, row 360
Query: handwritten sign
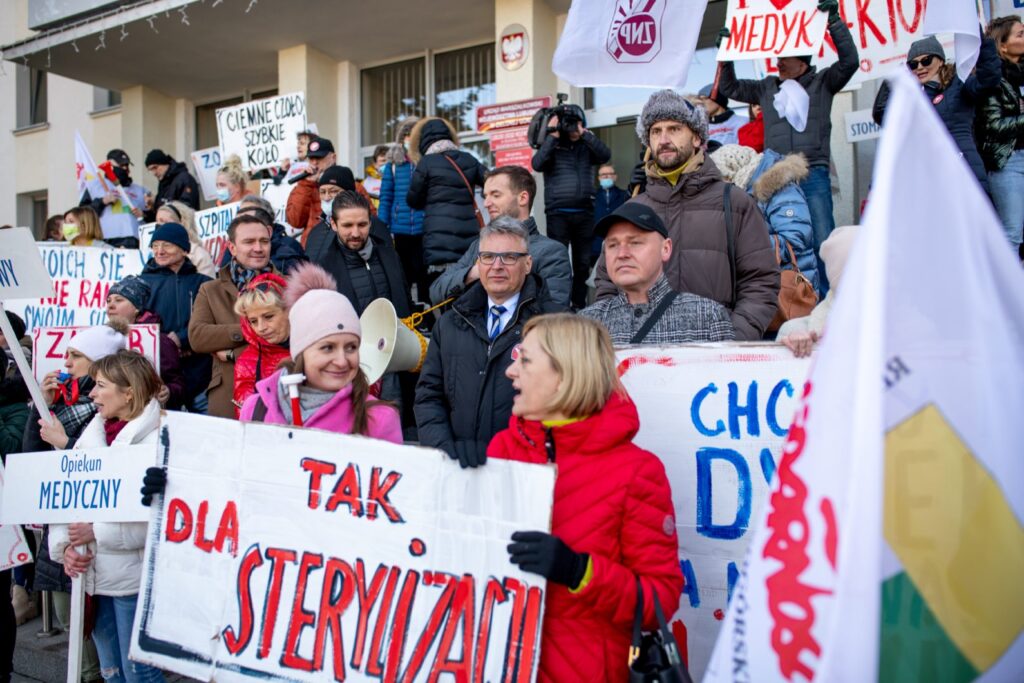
column 82, row 277
column 277, row 195
column 14, row 550
column 80, row 485
column 304, row 555
column 262, row 132
column 211, row 224
column 50, row 344
column 22, row 273
column 206, row 163
column 717, row 416
column 768, row 28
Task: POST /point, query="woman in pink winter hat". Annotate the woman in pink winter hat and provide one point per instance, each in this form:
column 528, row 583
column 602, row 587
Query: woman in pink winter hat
column 334, row 394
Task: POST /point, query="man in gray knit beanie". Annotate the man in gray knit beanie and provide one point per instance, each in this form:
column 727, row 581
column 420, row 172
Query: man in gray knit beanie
column 668, row 105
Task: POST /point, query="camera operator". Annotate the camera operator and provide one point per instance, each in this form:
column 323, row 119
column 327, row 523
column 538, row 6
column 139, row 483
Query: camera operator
column 567, row 158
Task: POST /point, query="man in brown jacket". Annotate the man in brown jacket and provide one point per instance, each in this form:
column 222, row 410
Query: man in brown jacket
column 214, row 327
column 687, row 192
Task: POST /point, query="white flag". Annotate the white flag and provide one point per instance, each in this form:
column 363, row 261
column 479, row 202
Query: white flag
column 646, row 43
column 87, row 175
column 911, row 410
column 959, row 17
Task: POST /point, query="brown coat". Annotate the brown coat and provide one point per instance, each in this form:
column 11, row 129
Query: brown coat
column 215, row 327
column 694, row 215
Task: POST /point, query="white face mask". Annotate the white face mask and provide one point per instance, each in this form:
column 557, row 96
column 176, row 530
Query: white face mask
column 325, row 206
column 223, row 194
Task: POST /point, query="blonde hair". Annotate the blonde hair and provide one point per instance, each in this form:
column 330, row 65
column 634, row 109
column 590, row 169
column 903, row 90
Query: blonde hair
column 88, row 222
column 258, row 298
column 582, row 354
column 131, row 371
column 183, row 215
column 234, row 172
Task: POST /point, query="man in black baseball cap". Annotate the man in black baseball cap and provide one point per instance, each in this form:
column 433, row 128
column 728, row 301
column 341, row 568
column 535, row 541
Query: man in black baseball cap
column 646, row 310
column 303, row 209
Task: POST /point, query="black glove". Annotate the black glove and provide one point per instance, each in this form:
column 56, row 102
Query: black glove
column 469, row 454
column 153, row 483
column 541, row 553
column 722, row 35
column 830, row 6
column 638, row 178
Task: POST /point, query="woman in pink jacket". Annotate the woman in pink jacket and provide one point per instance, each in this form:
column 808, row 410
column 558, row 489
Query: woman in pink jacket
column 334, row 394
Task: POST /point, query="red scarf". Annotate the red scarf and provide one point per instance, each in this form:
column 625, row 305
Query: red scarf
column 113, row 427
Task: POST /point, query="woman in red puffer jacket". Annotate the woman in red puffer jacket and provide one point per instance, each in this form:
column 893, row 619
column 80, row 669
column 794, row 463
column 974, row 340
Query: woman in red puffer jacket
column 613, row 520
column 265, row 327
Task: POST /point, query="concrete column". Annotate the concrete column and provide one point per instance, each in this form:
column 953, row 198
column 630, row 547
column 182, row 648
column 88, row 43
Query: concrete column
column 305, row 69
column 349, row 117
column 534, row 78
column 148, row 121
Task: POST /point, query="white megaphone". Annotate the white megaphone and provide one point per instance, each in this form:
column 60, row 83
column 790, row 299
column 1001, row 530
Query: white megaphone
column 388, row 344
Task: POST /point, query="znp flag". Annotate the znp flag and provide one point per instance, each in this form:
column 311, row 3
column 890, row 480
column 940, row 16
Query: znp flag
column 629, row 42
column 891, row 547
column 92, row 178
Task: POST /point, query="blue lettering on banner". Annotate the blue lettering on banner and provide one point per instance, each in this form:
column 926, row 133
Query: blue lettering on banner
column 690, row 583
column 80, row 494
column 732, row 574
column 112, row 265
column 8, row 278
column 749, row 410
column 771, row 415
column 698, row 398
column 49, row 316
column 767, row 465
column 62, row 262
column 705, row 525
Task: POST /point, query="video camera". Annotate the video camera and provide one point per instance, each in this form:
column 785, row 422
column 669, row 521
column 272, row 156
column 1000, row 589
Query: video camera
column 570, row 116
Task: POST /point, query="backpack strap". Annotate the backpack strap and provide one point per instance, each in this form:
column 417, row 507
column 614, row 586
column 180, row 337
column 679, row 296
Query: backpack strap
column 730, row 240
column 653, row 318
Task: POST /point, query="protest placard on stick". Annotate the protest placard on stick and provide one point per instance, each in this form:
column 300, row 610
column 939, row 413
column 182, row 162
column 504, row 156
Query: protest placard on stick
column 770, row 29
column 262, row 133
column 304, row 555
column 50, row 344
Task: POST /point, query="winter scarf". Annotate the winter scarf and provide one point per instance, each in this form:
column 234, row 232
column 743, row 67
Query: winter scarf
column 310, row 400
column 442, row 146
column 113, row 427
column 241, row 275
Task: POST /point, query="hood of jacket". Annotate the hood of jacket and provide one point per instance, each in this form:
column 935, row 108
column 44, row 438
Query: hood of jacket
column 187, row 268
column 427, row 131
column 173, row 171
column 615, row 425
column 775, row 172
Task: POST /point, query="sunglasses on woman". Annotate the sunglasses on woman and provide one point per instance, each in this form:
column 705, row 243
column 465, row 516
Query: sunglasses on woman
column 925, row 61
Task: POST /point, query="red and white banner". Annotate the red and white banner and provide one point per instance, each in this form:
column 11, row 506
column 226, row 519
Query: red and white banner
column 772, row 28
column 13, row 548
column 50, row 344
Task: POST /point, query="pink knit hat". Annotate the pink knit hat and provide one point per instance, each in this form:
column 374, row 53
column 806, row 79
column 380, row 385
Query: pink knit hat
column 316, row 309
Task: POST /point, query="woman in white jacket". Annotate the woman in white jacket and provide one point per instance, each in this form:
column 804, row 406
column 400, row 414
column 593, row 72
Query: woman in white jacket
column 128, row 413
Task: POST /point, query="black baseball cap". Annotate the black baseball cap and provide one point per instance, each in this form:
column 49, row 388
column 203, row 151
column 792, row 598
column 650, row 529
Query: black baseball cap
column 120, row 156
column 319, row 148
column 339, row 176
column 640, row 215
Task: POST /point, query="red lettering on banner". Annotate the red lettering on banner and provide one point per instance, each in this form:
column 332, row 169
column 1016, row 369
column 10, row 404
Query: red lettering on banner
column 789, row 599
column 805, row 19
column 300, row 618
column 317, row 469
column 58, row 336
column 332, row 605
column 867, row 23
column 738, row 31
column 493, row 594
column 892, row 20
column 373, row 660
column 367, row 599
column 346, row 492
column 531, row 632
column 378, row 495
column 752, row 33
column 201, row 542
column 227, row 530
column 461, row 616
column 176, row 509
column 60, row 295
column 918, row 14
column 518, row 591
column 441, row 607
column 277, row 557
column 236, row 643
column 400, row 625
column 771, row 28
column 92, row 294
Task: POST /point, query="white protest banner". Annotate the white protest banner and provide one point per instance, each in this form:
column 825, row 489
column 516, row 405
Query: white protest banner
column 277, row 195
column 860, row 126
column 50, row 344
column 206, row 163
column 770, row 29
column 262, row 132
column 211, row 224
column 82, row 277
column 80, row 485
column 22, row 273
column 630, row 43
column 303, row 555
column 717, row 416
column 14, row 550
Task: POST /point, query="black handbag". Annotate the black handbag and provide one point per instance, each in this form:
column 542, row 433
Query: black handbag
column 654, row 657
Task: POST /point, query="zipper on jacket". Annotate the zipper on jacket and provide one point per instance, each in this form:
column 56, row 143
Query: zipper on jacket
column 549, row 443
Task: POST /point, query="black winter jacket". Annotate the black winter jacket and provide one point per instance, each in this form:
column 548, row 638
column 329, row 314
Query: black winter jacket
column 1000, row 122
column 568, row 169
column 463, row 393
column 956, row 105
column 449, row 214
column 821, row 87
column 362, row 281
column 176, row 185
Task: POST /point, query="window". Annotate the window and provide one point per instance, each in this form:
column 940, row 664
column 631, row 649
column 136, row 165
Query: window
column 389, row 94
column 31, row 85
column 105, row 99
column 464, row 80
column 31, row 212
column 206, row 122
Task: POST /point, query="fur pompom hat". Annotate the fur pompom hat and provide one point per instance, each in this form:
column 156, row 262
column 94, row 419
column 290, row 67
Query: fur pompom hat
column 668, row 105
column 316, row 309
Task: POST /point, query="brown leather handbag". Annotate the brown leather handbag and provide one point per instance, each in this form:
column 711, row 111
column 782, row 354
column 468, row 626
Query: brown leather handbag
column 797, row 297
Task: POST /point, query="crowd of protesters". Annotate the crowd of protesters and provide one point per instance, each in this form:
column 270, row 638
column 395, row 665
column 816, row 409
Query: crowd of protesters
column 520, row 363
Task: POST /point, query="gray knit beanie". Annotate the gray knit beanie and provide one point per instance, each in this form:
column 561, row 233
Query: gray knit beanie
column 668, row 105
column 926, row 46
